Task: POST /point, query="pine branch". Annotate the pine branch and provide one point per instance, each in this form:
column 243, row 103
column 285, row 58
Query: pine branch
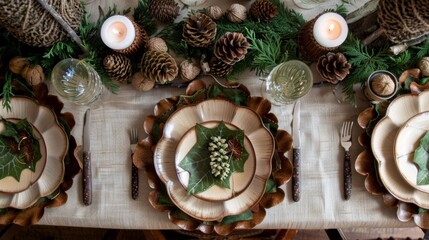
column 7, row 91
column 144, row 18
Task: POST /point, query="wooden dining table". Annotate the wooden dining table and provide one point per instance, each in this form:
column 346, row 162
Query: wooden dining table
column 321, row 206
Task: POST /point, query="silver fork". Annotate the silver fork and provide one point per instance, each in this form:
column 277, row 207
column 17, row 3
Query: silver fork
column 346, row 143
column 134, row 138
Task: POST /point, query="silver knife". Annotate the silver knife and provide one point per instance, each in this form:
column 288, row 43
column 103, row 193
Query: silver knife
column 87, row 176
column 296, row 150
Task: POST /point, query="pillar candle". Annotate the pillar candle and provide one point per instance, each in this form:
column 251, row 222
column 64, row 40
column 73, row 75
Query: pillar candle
column 118, row 32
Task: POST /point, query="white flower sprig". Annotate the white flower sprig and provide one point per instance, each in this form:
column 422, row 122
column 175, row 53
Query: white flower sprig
column 219, row 159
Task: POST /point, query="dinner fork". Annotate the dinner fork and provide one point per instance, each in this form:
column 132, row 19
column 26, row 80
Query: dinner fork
column 346, row 143
column 134, row 138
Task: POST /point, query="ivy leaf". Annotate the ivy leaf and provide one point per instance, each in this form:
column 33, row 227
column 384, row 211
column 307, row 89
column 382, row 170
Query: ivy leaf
column 13, row 156
column 248, row 215
column 421, row 158
column 197, row 160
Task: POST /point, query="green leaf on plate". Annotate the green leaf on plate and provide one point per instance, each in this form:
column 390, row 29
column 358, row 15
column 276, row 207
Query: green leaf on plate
column 197, row 160
column 234, row 95
column 248, row 215
column 18, row 151
column 271, row 186
column 421, row 158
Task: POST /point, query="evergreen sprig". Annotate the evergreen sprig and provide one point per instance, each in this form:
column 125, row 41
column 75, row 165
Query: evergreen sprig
column 266, row 53
column 143, row 17
column 364, row 61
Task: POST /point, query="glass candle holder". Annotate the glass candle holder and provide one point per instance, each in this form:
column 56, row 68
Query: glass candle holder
column 76, row 81
column 288, row 82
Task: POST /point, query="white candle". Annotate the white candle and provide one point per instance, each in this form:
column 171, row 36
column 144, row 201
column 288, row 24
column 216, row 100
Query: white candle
column 330, row 30
column 118, row 32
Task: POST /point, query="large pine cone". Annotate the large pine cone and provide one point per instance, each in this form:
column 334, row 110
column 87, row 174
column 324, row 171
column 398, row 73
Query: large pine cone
column 333, row 67
column 164, row 10
column 118, row 67
column 31, row 24
column 263, row 10
column 231, row 47
column 219, row 67
column 159, row 67
column 199, row 30
column 403, row 21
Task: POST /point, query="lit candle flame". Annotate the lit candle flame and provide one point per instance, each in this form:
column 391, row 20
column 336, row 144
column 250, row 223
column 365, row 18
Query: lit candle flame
column 331, row 27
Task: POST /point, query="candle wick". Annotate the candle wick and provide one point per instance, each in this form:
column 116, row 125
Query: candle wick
column 331, row 27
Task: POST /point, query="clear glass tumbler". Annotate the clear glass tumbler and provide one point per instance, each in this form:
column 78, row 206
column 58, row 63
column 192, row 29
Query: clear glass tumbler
column 76, row 81
column 288, row 82
column 308, row 4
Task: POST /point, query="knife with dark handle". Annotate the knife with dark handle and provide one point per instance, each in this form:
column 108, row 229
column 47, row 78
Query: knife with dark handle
column 86, row 174
column 296, row 152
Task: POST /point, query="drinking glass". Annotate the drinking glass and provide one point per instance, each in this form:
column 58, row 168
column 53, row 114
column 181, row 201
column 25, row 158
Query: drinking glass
column 308, row 4
column 287, row 82
column 76, row 81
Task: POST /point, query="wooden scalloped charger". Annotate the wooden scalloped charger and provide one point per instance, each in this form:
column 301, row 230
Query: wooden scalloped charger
column 144, row 153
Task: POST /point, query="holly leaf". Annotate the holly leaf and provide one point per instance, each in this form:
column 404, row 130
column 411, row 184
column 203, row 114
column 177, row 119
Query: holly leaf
column 13, row 156
column 421, row 158
column 197, row 160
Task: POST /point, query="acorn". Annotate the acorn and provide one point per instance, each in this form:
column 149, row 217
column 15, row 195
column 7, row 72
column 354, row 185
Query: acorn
column 17, row 63
column 33, row 74
column 424, row 66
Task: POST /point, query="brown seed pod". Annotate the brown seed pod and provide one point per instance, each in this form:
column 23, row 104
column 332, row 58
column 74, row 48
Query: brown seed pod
column 236, row 13
column 156, row 44
column 17, row 63
column 140, row 83
column 189, row 69
column 33, row 74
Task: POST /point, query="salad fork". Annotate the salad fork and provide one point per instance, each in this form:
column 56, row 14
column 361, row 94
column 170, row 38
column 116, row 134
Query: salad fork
column 346, row 143
column 134, row 138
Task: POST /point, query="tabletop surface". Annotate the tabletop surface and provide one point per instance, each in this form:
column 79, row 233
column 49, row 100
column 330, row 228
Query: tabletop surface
column 321, row 206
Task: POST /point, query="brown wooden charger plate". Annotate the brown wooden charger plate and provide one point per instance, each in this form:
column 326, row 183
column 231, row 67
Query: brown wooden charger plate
column 143, row 159
column 33, row 214
column 366, row 165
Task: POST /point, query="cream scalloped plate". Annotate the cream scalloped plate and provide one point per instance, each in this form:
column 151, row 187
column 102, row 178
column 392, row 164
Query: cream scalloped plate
column 407, row 141
column 209, row 207
column 383, row 137
column 9, row 184
column 55, row 140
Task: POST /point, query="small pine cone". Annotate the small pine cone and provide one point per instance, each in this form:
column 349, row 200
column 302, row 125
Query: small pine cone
column 164, row 10
column 118, row 67
column 333, row 67
column 263, row 10
column 231, row 47
column 159, row 67
column 199, row 30
column 219, row 67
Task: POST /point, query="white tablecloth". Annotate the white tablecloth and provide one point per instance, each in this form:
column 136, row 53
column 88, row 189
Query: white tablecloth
column 321, row 206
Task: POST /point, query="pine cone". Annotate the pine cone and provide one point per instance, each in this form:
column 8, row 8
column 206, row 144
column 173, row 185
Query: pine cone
column 333, row 67
column 159, row 67
column 118, row 67
column 164, row 10
column 199, row 30
column 231, row 47
column 219, row 67
column 263, row 10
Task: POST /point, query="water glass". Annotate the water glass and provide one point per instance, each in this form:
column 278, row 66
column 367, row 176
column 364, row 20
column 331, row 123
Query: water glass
column 76, row 81
column 308, row 4
column 288, row 82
